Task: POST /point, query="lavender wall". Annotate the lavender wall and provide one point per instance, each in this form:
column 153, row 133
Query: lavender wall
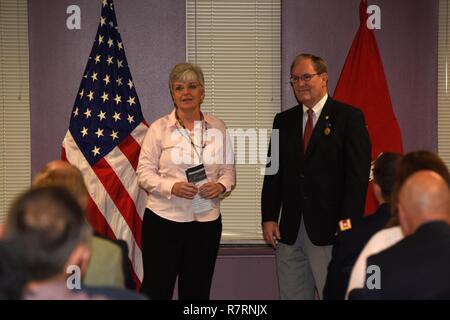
column 154, row 36
column 408, row 46
column 153, row 33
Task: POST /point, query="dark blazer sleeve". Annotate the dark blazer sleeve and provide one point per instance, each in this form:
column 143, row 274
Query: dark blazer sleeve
column 272, row 187
column 357, row 150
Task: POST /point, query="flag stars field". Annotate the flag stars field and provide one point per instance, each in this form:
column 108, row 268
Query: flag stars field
column 131, row 101
column 88, row 113
column 105, row 97
column 114, row 135
column 118, row 99
column 116, row 116
column 96, row 151
column 130, row 84
column 84, row 132
column 99, row 132
column 102, row 115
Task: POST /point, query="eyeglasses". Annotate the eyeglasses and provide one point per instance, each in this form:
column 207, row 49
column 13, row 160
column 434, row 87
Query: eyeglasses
column 191, row 87
column 304, row 77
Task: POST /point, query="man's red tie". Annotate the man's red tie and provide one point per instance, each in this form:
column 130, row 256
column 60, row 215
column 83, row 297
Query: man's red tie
column 308, row 130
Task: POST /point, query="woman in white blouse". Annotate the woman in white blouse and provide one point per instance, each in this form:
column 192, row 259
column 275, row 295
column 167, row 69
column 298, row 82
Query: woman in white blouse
column 186, row 165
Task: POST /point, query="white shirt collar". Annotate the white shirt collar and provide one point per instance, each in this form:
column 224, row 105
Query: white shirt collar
column 317, row 108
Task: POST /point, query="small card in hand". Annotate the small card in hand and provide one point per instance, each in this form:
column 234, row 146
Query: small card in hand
column 196, row 174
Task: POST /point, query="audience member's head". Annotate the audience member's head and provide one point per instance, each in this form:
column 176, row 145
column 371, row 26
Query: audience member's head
column 424, row 197
column 384, row 175
column 411, row 163
column 421, row 160
column 49, row 223
column 12, row 271
column 59, row 173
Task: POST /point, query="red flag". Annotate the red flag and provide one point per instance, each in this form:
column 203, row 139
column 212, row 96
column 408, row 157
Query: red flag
column 363, row 84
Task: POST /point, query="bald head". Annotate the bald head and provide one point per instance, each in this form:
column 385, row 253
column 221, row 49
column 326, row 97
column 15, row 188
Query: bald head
column 424, row 197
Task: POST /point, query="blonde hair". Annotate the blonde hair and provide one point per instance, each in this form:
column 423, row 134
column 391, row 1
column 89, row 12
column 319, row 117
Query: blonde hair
column 63, row 174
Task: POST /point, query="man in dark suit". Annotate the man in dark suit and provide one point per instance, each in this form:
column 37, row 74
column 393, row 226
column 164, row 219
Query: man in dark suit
column 418, row 266
column 351, row 242
column 324, row 163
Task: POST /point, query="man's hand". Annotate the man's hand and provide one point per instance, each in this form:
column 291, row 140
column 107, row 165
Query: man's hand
column 211, row 190
column 184, row 190
column 271, row 232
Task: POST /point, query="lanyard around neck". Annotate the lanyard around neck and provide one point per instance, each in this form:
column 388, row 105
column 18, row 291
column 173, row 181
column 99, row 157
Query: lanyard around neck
column 188, row 136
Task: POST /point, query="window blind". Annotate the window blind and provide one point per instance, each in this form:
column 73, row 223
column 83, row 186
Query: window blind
column 237, row 44
column 14, row 102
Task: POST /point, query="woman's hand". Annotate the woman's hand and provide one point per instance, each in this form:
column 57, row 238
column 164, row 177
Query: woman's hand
column 184, row 190
column 211, row 190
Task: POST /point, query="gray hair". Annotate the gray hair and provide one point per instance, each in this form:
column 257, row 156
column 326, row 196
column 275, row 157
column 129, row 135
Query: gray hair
column 186, row 71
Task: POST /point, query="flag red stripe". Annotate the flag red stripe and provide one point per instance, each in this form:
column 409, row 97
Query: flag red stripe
column 131, row 149
column 95, row 217
column 98, row 221
column 120, row 197
column 100, row 225
column 63, row 154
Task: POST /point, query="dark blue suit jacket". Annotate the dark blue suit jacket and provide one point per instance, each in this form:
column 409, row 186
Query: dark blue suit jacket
column 326, row 184
column 348, row 246
column 417, row 267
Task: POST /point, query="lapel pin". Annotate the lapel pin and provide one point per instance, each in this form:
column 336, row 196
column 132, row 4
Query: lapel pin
column 345, row 225
column 327, row 130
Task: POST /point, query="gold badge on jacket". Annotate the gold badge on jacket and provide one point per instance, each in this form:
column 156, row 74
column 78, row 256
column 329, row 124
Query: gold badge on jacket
column 327, row 129
column 345, row 225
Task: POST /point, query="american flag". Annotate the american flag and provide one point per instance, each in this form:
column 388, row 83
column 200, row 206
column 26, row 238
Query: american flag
column 104, row 140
